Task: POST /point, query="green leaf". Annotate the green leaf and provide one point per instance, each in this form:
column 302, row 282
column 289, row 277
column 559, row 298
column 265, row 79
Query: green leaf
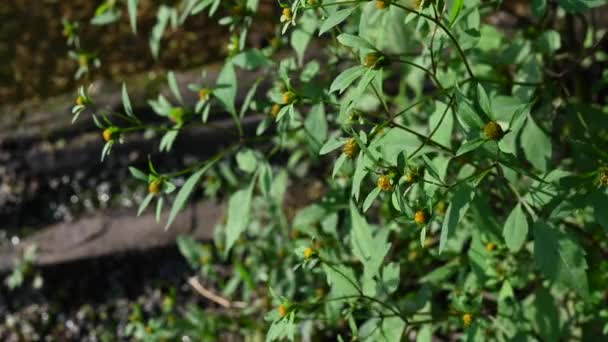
column 443, row 134
column 174, row 87
column 316, row 127
column 549, row 42
column 536, row 145
column 126, row 102
column 226, row 87
column 346, row 78
column 238, row 214
column 251, row 59
column 545, row 315
column 467, row 115
column 515, row 230
column 354, row 41
column 331, row 145
column 342, row 281
column 391, row 277
column 335, row 19
column 577, row 6
column 459, row 205
column 144, row 204
column 162, row 19
column 159, row 208
column 484, row 100
column 338, row 165
column 359, row 175
column 246, row 160
column 369, row 249
column 137, row 174
column 301, row 36
column 560, row 258
column 186, row 191
column 132, row 9
column 371, row 197
column 539, row 7
column 470, row 146
column 456, row 8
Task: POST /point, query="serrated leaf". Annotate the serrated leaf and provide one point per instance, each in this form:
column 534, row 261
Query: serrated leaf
column 515, row 230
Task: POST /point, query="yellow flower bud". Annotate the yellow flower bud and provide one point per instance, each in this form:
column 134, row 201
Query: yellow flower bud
column 283, row 310
column 203, row 94
column 155, row 186
column 421, row 217
column 275, row 110
column 108, row 134
column 467, row 319
column 490, row 246
column 80, row 101
column 382, row 4
column 289, row 97
column 350, row 148
column 308, row 253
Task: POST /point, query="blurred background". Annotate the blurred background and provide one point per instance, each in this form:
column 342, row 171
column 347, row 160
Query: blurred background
column 62, row 277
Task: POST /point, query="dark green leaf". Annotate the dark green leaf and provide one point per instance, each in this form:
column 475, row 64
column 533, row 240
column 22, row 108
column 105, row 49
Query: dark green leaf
column 560, row 258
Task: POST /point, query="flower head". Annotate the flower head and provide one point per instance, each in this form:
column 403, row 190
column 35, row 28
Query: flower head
column 350, row 148
column 371, row 59
column 384, row 183
column 110, row 133
column 490, row 246
column 493, row 131
column 287, row 15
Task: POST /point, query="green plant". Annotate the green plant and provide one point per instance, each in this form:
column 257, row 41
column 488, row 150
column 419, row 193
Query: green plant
column 468, row 193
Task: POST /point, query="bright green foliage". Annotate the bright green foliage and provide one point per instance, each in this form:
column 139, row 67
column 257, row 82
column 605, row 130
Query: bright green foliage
column 420, row 170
